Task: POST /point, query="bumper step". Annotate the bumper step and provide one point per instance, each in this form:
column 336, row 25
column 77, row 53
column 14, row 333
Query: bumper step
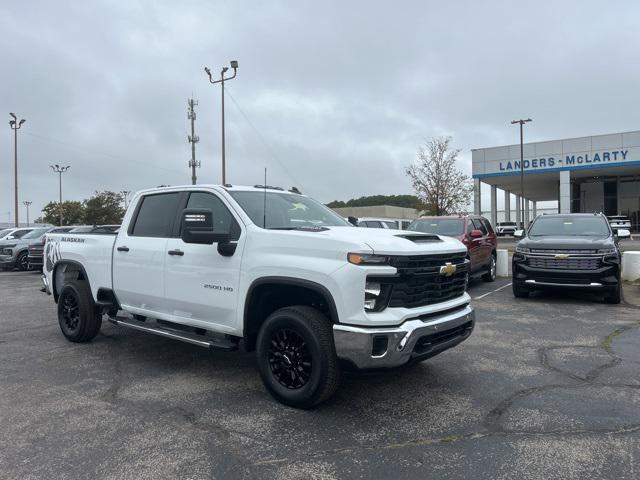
column 188, row 337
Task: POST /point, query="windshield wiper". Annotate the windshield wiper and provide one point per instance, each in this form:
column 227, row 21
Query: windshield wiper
column 308, row 228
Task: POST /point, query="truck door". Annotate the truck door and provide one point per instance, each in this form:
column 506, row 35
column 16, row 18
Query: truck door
column 484, row 246
column 201, row 285
column 140, row 253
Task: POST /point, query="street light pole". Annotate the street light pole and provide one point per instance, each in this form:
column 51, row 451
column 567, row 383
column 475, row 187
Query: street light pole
column 15, row 126
column 27, row 203
column 59, row 170
column 125, row 194
column 521, row 122
column 234, row 65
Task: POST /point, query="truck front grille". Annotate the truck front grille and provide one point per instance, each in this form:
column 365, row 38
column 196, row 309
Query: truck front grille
column 578, row 263
column 419, row 281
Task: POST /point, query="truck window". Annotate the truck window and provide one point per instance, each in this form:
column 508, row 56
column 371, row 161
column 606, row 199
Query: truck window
column 487, row 225
column 156, row 215
column 477, row 224
column 223, row 220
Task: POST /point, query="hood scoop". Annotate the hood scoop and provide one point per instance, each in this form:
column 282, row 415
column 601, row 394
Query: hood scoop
column 422, row 238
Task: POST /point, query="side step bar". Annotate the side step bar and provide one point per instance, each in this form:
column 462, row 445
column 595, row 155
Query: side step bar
column 192, row 338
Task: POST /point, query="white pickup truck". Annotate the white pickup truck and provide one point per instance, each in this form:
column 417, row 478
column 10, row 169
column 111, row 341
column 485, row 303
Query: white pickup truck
column 261, row 268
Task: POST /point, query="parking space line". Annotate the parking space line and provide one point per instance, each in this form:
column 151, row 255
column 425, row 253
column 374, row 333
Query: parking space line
column 492, row 291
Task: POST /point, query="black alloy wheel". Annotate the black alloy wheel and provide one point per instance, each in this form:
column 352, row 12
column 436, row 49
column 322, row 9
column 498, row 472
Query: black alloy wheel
column 70, row 312
column 23, row 262
column 289, row 358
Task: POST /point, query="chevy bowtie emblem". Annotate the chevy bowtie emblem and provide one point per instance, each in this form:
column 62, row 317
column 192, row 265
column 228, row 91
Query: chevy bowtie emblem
column 561, row 256
column 448, row 269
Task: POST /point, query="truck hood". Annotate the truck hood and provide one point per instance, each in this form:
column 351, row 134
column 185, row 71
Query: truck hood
column 567, row 243
column 396, row 242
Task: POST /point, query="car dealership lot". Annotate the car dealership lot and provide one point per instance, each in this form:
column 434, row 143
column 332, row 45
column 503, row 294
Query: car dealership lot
column 545, row 387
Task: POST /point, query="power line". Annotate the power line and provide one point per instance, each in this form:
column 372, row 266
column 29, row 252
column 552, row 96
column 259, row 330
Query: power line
column 262, row 140
column 99, row 154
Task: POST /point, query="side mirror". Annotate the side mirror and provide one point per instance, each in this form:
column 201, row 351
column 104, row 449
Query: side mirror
column 475, row 233
column 353, row 221
column 518, row 234
column 197, row 227
column 623, row 234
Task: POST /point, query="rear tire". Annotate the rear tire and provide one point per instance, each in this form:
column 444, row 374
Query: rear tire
column 490, row 276
column 78, row 317
column 615, row 296
column 297, row 357
column 518, row 291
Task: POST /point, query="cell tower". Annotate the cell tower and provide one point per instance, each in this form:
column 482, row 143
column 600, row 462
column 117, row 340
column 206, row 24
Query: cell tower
column 193, row 139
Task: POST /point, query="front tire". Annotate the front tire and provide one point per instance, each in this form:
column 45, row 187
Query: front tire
column 78, row 317
column 490, row 276
column 518, row 291
column 615, row 296
column 22, row 262
column 297, row 357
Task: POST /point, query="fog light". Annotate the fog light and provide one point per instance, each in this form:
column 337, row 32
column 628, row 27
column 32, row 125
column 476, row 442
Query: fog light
column 371, row 295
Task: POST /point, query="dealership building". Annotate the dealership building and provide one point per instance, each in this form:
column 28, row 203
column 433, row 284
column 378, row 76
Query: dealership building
column 587, row 174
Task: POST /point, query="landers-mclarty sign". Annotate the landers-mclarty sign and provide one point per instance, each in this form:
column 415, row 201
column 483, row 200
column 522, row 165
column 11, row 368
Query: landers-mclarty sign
column 604, row 157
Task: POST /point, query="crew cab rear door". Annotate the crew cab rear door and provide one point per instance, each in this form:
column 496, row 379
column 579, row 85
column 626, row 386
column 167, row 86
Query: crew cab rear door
column 140, row 253
column 201, row 284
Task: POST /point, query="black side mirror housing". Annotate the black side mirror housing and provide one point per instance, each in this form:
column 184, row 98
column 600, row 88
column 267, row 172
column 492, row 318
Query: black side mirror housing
column 197, row 227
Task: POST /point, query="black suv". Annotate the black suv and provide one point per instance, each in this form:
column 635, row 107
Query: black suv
column 574, row 250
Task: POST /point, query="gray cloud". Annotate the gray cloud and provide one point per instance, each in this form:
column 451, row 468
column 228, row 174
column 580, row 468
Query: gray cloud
column 338, row 95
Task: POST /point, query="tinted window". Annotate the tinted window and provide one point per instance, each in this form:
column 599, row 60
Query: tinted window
column 223, row 220
column 156, row 215
column 477, row 224
column 20, row 233
column 487, row 225
column 570, row 226
column 35, row 233
column 391, row 224
column 439, row 226
column 371, row 224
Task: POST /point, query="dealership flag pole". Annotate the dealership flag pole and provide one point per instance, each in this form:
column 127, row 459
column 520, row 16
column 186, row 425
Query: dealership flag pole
column 522, row 200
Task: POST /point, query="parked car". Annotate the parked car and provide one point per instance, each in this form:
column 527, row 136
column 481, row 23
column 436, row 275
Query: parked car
column 13, row 233
column 576, row 251
column 618, row 222
column 506, row 228
column 474, row 231
column 35, row 249
column 14, row 252
column 392, row 223
column 264, row 269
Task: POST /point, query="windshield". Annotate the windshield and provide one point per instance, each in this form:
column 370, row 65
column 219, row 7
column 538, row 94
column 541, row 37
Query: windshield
column 35, row 233
column 570, row 226
column 440, row 226
column 286, row 211
column 5, row 232
column 507, row 224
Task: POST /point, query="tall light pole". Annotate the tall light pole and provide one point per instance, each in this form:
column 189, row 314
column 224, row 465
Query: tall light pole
column 15, row 125
column 234, row 65
column 125, row 194
column 27, row 203
column 59, row 170
column 521, row 122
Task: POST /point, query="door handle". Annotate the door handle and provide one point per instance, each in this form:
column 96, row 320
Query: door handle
column 123, row 249
column 176, row 252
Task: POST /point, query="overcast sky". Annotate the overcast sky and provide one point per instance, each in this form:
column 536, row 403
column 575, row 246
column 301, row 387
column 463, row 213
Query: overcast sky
column 332, row 97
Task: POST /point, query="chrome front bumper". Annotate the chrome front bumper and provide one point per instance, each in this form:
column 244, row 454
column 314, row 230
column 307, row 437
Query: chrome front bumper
column 394, row 346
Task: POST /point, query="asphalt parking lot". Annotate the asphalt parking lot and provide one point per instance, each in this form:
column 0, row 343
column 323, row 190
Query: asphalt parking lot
column 546, row 387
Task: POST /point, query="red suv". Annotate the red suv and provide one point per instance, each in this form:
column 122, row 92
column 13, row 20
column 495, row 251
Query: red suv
column 474, row 231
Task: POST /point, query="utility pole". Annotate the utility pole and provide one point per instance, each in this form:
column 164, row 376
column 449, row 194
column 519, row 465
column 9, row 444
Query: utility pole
column 193, row 139
column 27, row 203
column 234, row 65
column 521, row 122
column 15, row 126
column 59, row 170
column 125, row 194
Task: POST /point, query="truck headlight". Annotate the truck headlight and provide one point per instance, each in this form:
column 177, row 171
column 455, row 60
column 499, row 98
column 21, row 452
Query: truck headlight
column 607, row 251
column 523, row 249
column 367, row 259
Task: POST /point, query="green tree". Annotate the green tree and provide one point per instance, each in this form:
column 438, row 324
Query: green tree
column 436, row 179
column 103, row 208
column 72, row 213
column 406, row 201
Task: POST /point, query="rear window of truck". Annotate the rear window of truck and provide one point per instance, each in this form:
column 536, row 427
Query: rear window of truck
column 156, row 215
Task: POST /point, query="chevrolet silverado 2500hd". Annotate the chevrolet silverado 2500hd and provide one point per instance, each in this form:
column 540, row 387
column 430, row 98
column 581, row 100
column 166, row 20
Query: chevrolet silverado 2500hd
column 264, row 269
